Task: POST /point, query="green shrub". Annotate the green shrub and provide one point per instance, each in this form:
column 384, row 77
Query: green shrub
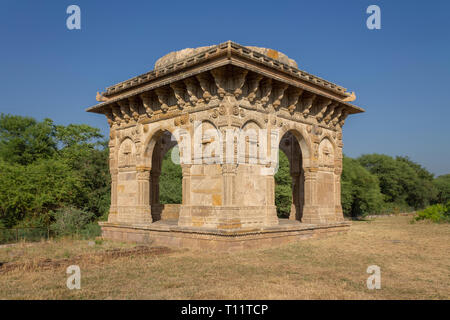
column 436, row 213
column 69, row 221
column 91, row 230
column 170, row 181
column 283, row 186
column 442, row 184
column 360, row 190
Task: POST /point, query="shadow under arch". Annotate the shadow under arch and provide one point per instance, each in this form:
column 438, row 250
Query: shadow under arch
column 297, row 150
column 158, row 145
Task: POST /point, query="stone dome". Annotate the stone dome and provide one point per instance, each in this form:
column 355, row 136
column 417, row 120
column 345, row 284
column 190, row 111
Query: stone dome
column 175, row 56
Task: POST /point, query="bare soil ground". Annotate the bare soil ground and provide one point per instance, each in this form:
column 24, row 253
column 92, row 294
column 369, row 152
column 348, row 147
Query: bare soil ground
column 414, row 261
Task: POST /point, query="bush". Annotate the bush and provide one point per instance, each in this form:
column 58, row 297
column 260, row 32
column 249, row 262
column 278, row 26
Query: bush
column 69, row 221
column 360, row 190
column 283, row 186
column 442, row 184
column 170, row 181
column 436, row 213
column 44, row 167
column 91, row 230
column 401, row 180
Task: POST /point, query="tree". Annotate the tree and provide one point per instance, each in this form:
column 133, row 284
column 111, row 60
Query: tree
column 402, row 181
column 423, row 191
column 283, row 186
column 32, row 191
column 170, row 181
column 24, row 140
column 44, row 167
column 360, row 190
column 442, row 185
column 86, row 152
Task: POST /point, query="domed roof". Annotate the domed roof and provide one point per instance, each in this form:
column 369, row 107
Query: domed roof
column 176, row 56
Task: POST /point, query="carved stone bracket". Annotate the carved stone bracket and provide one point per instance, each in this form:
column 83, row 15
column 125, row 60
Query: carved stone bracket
column 336, row 115
column 110, row 117
column 307, row 104
column 163, row 97
column 253, row 81
column 322, row 105
column 238, row 81
column 125, row 110
column 266, row 90
column 134, row 103
column 329, row 112
column 293, row 98
column 278, row 94
column 220, row 79
column 342, row 118
column 147, row 103
column 179, row 91
column 192, row 89
column 205, row 83
column 115, row 109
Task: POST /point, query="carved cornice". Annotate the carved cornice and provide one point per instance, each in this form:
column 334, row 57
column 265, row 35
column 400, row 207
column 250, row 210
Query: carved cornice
column 228, row 48
column 230, row 85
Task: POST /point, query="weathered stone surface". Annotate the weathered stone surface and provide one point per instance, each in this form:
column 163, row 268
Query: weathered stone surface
column 274, row 54
column 177, row 56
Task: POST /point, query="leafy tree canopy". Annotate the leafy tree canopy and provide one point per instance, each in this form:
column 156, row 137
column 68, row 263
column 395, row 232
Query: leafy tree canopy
column 44, row 167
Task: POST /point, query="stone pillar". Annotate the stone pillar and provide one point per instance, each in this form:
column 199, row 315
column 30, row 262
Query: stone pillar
column 154, row 195
column 184, row 218
column 310, row 209
column 337, row 178
column 186, row 184
column 112, row 217
column 144, row 212
column 295, row 206
column 271, row 218
column 228, row 172
column 338, row 206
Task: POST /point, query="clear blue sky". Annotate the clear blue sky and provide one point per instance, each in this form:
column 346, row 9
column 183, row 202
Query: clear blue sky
column 400, row 73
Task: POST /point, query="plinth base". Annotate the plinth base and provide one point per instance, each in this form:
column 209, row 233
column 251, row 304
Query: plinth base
column 168, row 233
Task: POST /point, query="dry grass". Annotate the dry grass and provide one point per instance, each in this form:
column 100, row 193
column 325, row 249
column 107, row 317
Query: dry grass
column 414, row 261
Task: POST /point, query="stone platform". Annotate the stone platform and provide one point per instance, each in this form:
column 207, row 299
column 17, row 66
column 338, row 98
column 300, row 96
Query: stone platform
column 168, row 233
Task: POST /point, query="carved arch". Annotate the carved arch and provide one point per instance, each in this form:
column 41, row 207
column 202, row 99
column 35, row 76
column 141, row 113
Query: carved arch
column 302, row 139
column 207, row 142
column 253, row 120
column 249, row 142
column 150, row 142
column 327, row 157
column 126, row 156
